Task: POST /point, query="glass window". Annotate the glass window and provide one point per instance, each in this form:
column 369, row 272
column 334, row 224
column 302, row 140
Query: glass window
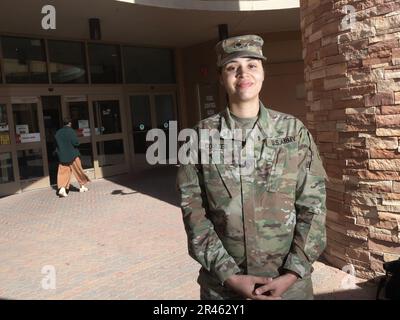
column 105, row 63
column 141, row 117
column 107, row 117
column 67, row 62
column 148, row 65
column 141, row 121
column 4, row 129
column 79, row 113
column 164, row 110
column 26, row 122
column 30, row 164
column 86, row 157
column 164, row 114
column 6, row 168
column 24, row 60
column 110, row 152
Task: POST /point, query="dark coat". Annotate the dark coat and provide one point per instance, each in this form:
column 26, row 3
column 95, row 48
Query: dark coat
column 67, row 143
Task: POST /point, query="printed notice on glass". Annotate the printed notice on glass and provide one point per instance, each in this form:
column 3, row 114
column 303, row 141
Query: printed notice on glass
column 21, row 129
column 29, row 137
column 207, row 96
column 83, row 124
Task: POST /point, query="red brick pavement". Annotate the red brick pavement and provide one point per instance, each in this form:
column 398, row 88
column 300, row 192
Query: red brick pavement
column 124, row 239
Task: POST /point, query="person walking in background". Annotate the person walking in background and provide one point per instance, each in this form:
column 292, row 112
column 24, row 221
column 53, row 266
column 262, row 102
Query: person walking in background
column 69, row 161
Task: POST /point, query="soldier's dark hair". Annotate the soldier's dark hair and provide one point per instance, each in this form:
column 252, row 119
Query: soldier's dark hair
column 66, row 121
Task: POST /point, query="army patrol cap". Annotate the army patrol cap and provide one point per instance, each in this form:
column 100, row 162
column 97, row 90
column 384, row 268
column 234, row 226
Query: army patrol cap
column 239, row 47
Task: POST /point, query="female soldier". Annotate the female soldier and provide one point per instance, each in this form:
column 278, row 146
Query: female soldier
column 255, row 232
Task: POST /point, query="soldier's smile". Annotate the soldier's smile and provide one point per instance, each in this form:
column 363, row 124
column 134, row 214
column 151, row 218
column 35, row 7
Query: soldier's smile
column 244, row 84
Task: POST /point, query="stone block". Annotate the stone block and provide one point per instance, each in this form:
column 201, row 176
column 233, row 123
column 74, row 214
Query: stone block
column 328, row 137
column 383, row 154
column 382, row 143
column 395, row 74
column 336, row 83
column 387, row 257
column 372, row 175
column 388, row 121
column 361, row 119
column 379, row 99
column 390, row 110
column 383, row 246
column 329, row 50
column 397, row 97
column 384, row 164
column 376, row 186
column 396, row 186
column 360, row 255
column 337, row 69
column 383, row 132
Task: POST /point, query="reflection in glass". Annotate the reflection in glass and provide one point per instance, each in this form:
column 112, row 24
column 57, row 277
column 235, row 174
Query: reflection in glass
column 79, row 113
column 164, row 113
column 110, row 152
column 4, row 129
column 24, row 60
column 164, row 110
column 107, row 116
column 105, row 65
column 141, row 121
column 141, row 117
column 86, row 157
column 51, row 106
column 148, row 65
column 67, row 62
column 26, row 122
column 30, row 164
column 6, row 168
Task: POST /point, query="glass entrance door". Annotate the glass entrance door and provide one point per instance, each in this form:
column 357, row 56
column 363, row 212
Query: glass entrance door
column 110, row 156
column 165, row 112
column 8, row 156
column 141, row 121
column 27, row 114
column 77, row 108
column 52, row 116
column 149, row 111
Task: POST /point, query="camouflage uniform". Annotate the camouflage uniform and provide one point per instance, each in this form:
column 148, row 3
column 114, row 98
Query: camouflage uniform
column 259, row 223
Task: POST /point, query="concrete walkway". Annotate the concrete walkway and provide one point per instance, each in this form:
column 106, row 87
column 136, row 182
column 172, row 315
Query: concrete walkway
column 124, row 239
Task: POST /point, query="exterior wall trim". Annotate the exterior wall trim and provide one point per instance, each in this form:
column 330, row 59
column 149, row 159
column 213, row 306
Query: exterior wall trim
column 226, row 5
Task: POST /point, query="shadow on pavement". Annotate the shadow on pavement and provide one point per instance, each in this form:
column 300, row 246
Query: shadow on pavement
column 157, row 182
column 363, row 291
column 122, row 193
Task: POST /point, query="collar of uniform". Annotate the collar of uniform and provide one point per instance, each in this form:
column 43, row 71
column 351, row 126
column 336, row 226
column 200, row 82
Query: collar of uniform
column 263, row 120
column 227, row 123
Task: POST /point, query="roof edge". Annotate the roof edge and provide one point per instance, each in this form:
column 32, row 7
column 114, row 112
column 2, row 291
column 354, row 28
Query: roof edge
column 219, row 5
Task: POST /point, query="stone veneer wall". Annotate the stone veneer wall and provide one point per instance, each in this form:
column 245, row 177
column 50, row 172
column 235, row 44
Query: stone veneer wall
column 352, row 78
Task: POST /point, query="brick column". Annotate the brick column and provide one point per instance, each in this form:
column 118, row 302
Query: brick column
column 351, row 51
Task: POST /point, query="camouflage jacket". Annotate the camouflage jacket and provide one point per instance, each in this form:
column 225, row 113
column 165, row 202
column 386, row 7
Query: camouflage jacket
column 263, row 222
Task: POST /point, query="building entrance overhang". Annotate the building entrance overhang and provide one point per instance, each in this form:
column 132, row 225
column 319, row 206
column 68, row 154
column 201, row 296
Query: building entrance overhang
column 149, row 25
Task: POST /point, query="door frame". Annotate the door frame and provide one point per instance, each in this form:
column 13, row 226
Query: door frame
column 40, row 182
column 153, row 115
column 13, row 186
column 101, row 172
column 65, row 99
